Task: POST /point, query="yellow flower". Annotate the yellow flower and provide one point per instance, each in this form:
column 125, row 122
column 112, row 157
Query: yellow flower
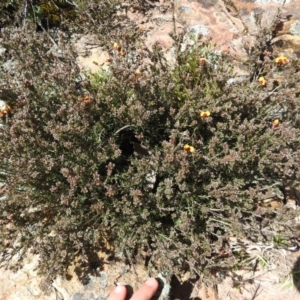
column 205, row 114
column 262, row 81
column 275, row 123
column 188, row 148
column 122, row 52
column 4, row 110
column 137, row 75
column 86, row 99
column 116, row 46
column 281, row 60
column 138, row 72
column 202, row 60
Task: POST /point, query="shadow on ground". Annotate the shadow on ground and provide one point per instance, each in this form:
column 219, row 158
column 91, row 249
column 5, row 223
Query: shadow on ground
column 183, row 291
column 296, row 274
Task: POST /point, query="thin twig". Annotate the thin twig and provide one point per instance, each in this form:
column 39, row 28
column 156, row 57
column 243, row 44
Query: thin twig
column 173, row 17
column 40, row 24
column 25, row 13
column 255, row 292
column 49, row 36
column 150, row 3
column 124, row 127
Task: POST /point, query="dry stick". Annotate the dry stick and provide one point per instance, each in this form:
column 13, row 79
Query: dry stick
column 150, row 3
column 40, row 24
column 56, row 292
column 173, row 17
column 25, row 13
column 124, row 127
column 69, row 2
column 132, row 264
column 255, row 292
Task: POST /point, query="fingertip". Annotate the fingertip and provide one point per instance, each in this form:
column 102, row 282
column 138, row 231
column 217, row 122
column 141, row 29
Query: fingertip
column 119, row 293
column 152, row 282
column 147, row 290
column 120, row 289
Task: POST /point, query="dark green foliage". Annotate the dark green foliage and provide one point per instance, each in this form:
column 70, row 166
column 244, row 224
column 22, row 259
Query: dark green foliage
column 56, row 13
column 9, row 12
column 75, row 178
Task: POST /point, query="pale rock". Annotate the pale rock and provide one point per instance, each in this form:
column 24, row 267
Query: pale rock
column 295, row 28
column 91, row 56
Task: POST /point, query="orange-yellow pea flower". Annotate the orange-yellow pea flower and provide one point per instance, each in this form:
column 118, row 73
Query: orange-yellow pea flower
column 275, row 123
column 205, row 114
column 122, row 52
column 116, row 46
column 188, row 148
column 281, row 60
column 262, row 81
column 202, row 60
column 137, row 75
column 4, row 110
column 86, row 99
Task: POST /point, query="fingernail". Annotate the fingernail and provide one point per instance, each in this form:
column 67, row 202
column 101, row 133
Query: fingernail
column 151, row 282
column 118, row 289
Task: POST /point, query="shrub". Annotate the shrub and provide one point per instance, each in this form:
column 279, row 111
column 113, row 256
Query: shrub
column 164, row 163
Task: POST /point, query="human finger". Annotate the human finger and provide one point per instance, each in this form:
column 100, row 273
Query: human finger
column 146, row 291
column 119, row 293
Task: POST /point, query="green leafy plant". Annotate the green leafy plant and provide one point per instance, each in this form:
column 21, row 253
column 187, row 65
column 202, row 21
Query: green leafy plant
column 279, row 241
